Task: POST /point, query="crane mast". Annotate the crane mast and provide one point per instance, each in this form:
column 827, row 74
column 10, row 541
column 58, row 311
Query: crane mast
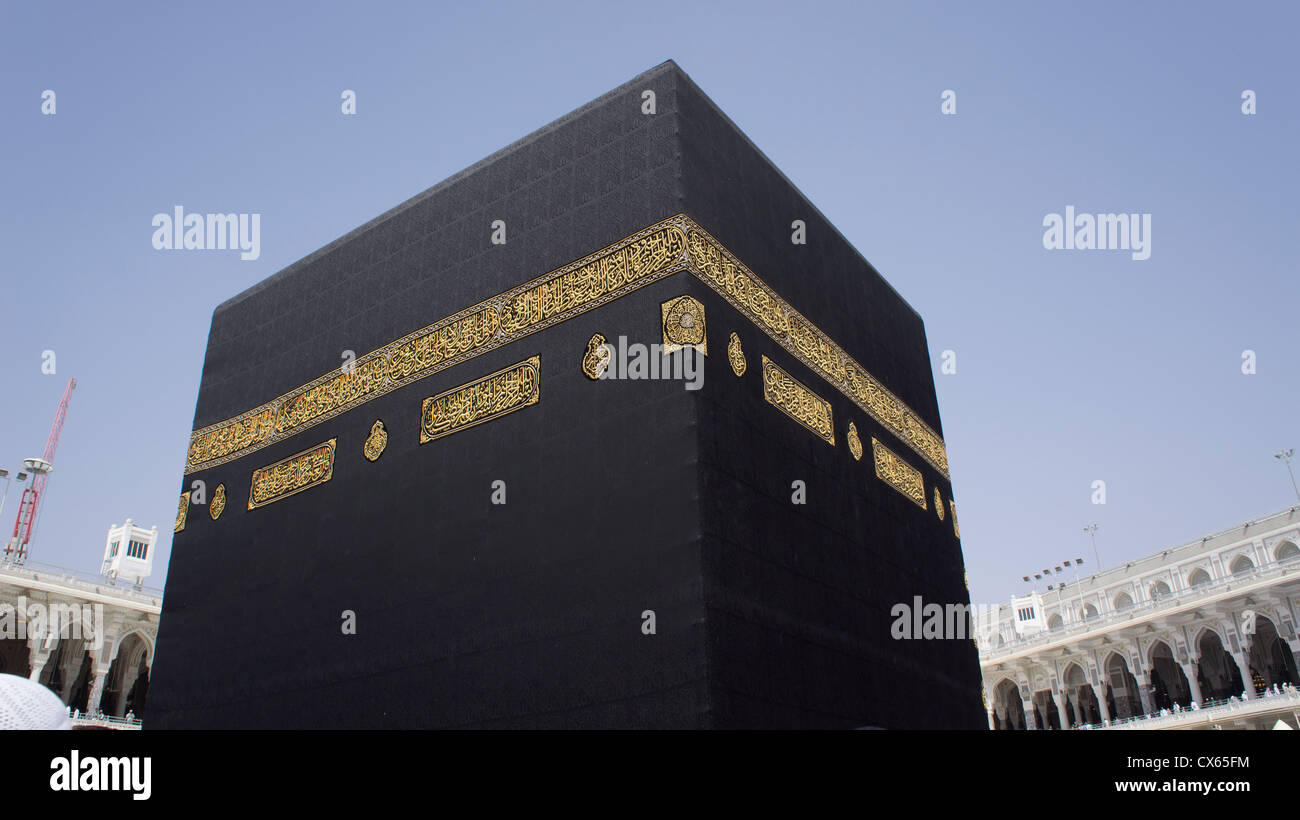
column 17, row 547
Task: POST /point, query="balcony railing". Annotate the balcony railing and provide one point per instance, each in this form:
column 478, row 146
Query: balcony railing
column 1219, row 712
column 89, row 582
column 104, row 722
column 1169, row 601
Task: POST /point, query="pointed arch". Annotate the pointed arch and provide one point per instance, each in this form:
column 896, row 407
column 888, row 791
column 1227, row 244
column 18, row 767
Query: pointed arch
column 1008, row 709
column 1074, row 674
column 67, row 671
column 1081, row 706
column 1213, row 630
column 1168, row 681
column 1271, row 659
column 126, row 682
column 1125, row 701
column 1217, row 672
column 138, row 633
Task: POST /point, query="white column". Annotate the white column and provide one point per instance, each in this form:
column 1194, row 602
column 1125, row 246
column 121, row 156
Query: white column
column 1144, row 692
column 96, row 688
column 1189, row 669
column 1100, row 692
column 38, row 659
column 1060, row 711
column 1247, row 680
column 1030, row 723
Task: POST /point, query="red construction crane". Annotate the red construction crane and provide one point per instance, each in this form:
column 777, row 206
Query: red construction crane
column 16, row 549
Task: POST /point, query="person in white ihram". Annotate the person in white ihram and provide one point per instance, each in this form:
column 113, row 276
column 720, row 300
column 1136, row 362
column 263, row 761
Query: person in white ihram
column 25, row 704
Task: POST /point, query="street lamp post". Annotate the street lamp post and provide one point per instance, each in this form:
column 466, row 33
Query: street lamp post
column 1091, row 529
column 1285, row 457
column 1078, row 562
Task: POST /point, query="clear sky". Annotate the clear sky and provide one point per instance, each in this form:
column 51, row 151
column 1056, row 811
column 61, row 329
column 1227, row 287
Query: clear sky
column 1072, row 365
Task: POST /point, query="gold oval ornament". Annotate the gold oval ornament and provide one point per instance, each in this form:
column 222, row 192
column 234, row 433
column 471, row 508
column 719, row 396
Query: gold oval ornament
column 596, row 360
column 938, row 503
column 376, row 441
column 218, row 504
column 736, row 355
column 855, row 442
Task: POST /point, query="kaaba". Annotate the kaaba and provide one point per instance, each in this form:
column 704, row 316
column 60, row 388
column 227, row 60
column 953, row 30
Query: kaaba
column 425, row 490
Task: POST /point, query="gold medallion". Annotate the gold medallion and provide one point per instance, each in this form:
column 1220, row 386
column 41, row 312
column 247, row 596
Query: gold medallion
column 855, row 443
column 218, row 504
column 376, row 441
column 736, row 355
column 683, row 320
column 596, row 360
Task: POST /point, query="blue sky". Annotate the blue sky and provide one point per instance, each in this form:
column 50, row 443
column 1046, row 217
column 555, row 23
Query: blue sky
column 1071, row 365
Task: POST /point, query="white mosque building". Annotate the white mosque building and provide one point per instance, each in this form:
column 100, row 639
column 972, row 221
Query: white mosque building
column 1197, row 636
column 89, row 638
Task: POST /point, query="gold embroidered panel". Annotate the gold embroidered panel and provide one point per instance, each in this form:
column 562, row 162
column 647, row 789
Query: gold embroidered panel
column 717, row 268
column 788, row 394
column 683, row 325
column 301, row 471
column 490, row 397
column 592, row 281
column 661, row 250
column 182, row 512
column 898, row 474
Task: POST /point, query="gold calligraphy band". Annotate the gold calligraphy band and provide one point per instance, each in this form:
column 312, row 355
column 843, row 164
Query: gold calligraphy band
column 663, row 249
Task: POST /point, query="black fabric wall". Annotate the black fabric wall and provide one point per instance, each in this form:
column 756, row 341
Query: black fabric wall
column 590, row 178
column 622, row 496
column 468, row 614
column 799, row 597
